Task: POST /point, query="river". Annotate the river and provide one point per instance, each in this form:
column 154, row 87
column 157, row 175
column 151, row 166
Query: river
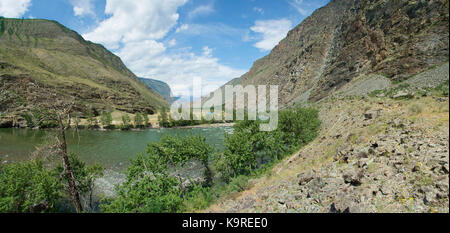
column 111, row 149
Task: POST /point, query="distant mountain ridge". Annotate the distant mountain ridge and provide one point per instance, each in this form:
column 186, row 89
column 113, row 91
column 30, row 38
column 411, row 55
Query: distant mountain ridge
column 161, row 88
column 40, row 54
column 349, row 39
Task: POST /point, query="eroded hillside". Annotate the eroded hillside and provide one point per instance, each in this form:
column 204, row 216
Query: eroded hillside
column 348, row 39
column 40, row 56
column 385, row 153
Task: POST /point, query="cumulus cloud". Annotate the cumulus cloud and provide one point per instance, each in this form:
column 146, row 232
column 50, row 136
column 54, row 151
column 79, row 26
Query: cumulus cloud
column 151, row 59
column 133, row 21
column 83, row 7
column 137, row 30
column 272, row 32
column 14, row 8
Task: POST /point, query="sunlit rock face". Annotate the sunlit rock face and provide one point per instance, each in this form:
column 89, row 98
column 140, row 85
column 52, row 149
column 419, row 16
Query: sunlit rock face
column 348, row 39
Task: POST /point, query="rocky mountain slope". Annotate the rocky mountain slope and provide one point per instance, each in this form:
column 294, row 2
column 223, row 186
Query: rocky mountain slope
column 351, row 39
column 378, row 72
column 37, row 55
column 386, row 152
column 160, row 87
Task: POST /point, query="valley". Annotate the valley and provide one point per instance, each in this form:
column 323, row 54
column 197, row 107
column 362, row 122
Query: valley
column 362, row 126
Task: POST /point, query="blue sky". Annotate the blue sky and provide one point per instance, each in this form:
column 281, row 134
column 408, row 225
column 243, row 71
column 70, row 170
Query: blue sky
column 176, row 40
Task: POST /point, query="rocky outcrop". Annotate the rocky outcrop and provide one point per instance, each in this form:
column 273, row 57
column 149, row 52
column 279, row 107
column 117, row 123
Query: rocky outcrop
column 348, row 39
column 161, row 88
column 373, row 154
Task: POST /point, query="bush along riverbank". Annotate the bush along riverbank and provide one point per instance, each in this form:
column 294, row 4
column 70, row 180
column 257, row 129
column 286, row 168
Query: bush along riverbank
column 177, row 174
column 150, row 186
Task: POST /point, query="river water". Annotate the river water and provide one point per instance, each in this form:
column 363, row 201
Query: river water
column 111, row 149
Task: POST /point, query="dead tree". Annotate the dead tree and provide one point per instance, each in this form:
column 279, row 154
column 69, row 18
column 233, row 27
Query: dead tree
column 59, row 110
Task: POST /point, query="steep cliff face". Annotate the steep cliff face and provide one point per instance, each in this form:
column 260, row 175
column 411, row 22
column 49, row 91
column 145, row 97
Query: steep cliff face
column 161, row 88
column 41, row 56
column 348, row 39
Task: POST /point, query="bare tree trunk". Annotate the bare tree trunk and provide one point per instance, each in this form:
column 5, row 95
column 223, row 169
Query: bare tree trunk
column 69, row 173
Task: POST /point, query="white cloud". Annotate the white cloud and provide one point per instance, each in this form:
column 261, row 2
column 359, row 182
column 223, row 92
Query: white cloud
column 201, row 11
column 298, row 4
column 172, row 43
column 133, row 21
column 137, row 31
column 207, row 51
column 178, row 69
column 183, row 27
column 14, row 8
column 83, row 7
column 273, row 31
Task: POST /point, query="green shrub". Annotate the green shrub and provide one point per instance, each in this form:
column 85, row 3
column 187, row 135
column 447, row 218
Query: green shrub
column 163, row 119
column 177, row 151
column 106, row 120
column 299, row 126
column 84, row 175
column 248, row 148
column 138, row 120
column 443, row 89
column 146, row 119
column 126, row 122
column 91, row 120
column 148, row 189
column 28, row 187
column 39, row 117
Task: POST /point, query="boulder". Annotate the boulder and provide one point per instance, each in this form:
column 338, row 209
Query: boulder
column 304, row 178
column 353, row 177
column 193, row 172
column 401, row 94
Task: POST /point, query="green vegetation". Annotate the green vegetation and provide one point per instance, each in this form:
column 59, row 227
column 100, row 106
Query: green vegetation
column 28, row 187
column 148, row 187
column 91, row 121
column 296, row 128
column 126, row 122
column 163, row 118
column 176, row 151
column 70, row 67
column 84, row 175
column 32, row 187
column 249, row 153
column 165, row 121
column 138, row 120
column 2, row 26
column 38, row 118
column 150, row 184
column 106, row 120
column 443, row 89
column 146, row 120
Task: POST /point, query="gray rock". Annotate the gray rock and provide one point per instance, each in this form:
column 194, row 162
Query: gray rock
column 401, row 94
column 353, row 177
column 193, row 172
column 304, row 178
column 344, row 202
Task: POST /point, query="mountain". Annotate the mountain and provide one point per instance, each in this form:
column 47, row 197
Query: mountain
column 384, row 153
column 40, row 54
column 161, row 88
column 349, row 40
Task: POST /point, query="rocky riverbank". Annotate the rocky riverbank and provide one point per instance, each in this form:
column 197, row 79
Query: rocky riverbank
column 374, row 154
